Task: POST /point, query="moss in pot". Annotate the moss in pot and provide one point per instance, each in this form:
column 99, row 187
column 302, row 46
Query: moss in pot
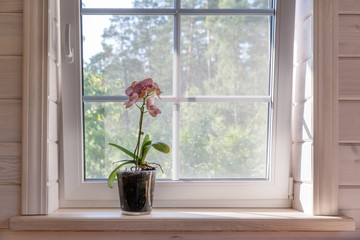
column 136, row 186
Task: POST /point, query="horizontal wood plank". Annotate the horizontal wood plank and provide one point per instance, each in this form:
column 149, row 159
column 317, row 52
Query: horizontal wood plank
column 114, row 235
column 355, row 214
column 9, row 203
column 349, row 198
column 349, row 34
column 10, row 121
column 10, row 170
column 10, row 77
column 185, row 220
column 11, row 28
column 349, row 164
column 349, row 6
column 349, row 121
column 349, row 72
column 11, row 6
column 12, row 150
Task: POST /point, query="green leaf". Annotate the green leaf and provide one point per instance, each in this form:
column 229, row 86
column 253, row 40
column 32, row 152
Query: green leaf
column 123, row 149
column 161, row 147
column 112, row 175
column 144, row 152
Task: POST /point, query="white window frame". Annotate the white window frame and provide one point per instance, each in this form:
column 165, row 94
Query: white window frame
column 74, row 192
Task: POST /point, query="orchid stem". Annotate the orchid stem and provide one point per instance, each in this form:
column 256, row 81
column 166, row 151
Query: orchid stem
column 139, row 136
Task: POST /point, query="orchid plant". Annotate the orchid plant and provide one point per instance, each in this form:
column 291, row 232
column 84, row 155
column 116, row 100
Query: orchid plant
column 144, row 91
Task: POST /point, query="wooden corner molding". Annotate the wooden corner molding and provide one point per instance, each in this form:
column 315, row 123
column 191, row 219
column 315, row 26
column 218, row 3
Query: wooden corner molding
column 325, row 107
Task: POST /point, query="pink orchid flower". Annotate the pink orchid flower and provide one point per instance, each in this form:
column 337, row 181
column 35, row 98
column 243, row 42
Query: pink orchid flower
column 154, row 111
column 146, row 90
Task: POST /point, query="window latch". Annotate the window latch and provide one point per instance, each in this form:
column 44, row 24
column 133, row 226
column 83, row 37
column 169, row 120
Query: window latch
column 69, row 51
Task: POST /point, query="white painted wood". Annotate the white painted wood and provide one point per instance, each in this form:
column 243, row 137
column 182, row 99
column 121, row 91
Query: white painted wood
column 325, row 107
column 353, row 213
column 349, row 121
column 349, row 6
column 11, row 42
column 11, row 6
column 53, row 74
column 303, row 82
column 10, row 120
column 187, row 219
column 10, row 170
column 12, row 150
column 302, row 162
column 303, row 47
column 52, row 121
column 9, row 203
column 349, row 34
column 302, row 122
column 349, row 164
column 114, row 235
column 40, row 161
column 304, row 9
column 349, row 71
column 349, row 198
column 303, row 195
column 10, row 77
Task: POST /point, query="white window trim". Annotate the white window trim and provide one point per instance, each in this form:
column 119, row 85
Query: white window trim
column 34, row 197
column 273, row 193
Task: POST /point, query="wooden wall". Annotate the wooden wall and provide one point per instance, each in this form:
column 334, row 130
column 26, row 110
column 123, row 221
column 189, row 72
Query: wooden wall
column 11, row 18
column 349, row 108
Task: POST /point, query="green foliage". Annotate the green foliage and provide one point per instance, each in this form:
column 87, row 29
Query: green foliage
column 220, row 56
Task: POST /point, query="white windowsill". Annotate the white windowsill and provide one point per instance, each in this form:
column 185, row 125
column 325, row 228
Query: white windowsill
column 182, row 219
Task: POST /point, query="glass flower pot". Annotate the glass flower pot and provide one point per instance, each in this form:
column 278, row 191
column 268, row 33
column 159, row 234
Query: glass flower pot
column 136, row 189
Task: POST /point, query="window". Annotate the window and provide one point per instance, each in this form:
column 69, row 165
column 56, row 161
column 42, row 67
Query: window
column 226, row 102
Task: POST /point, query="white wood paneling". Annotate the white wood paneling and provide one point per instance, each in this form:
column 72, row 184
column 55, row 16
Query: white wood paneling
column 325, row 107
column 302, row 126
column 304, row 9
column 349, row 35
column 10, row 170
column 353, row 213
column 10, row 77
column 10, row 120
column 303, row 81
column 349, row 121
column 11, row 6
column 302, row 157
column 9, row 203
column 349, row 72
column 52, row 121
column 303, row 41
column 92, row 235
column 11, row 41
column 349, row 198
column 349, row 164
column 303, row 195
column 349, row 6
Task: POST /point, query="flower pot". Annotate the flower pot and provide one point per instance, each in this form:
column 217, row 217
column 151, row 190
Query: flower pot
column 136, row 190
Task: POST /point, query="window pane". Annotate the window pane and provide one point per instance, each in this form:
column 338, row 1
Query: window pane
column 223, row 140
column 225, row 55
column 120, row 49
column 127, row 3
column 230, row 4
column 111, row 122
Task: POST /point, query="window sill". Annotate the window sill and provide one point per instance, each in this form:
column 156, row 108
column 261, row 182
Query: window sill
column 182, row 219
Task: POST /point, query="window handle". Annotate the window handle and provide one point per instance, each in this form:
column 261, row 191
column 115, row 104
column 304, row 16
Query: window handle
column 69, row 51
